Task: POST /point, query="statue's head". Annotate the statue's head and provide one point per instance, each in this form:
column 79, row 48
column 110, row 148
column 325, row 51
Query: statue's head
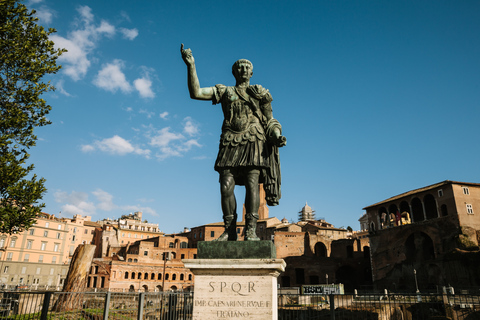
column 242, row 69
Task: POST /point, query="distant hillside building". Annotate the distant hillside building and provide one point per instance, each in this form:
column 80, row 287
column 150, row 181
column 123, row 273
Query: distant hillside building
column 433, row 230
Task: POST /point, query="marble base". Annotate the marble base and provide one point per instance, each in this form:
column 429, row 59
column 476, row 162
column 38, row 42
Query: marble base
column 235, row 288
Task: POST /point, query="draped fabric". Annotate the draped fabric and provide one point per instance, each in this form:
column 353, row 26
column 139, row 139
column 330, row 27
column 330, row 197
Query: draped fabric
column 244, row 142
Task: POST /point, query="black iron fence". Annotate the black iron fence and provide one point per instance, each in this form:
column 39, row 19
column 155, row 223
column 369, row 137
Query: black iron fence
column 379, row 306
column 179, row 305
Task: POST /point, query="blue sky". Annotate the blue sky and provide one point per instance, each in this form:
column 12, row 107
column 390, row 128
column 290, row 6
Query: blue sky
column 375, row 98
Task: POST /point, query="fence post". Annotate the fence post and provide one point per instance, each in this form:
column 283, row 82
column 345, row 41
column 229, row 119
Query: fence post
column 141, row 298
column 45, row 305
column 332, row 306
column 106, row 306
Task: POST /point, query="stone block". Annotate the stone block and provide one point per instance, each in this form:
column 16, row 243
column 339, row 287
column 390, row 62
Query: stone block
column 236, row 250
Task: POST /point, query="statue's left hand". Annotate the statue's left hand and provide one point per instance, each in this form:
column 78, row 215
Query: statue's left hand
column 187, row 56
column 281, row 141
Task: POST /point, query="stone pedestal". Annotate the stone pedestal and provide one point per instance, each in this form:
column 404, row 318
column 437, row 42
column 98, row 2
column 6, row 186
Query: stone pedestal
column 232, row 288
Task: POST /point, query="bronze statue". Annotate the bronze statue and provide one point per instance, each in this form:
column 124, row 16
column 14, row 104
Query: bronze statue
column 248, row 152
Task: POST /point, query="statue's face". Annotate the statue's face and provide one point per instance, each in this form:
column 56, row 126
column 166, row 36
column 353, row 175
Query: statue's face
column 243, row 71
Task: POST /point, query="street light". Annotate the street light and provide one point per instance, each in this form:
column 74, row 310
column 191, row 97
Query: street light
column 326, row 277
column 416, row 283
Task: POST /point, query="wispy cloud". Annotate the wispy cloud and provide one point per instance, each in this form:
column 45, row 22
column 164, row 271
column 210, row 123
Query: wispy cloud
column 81, row 42
column 164, row 115
column 129, row 34
column 111, row 77
column 190, row 127
column 79, row 203
column 115, row 145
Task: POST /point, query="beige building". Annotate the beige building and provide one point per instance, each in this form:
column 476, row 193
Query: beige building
column 39, row 257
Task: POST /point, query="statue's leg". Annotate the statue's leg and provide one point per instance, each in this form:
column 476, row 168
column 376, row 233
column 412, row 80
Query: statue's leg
column 229, row 206
column 252, row 203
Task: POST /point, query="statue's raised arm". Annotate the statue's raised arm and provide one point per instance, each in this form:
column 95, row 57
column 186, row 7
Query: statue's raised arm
column 193, row 84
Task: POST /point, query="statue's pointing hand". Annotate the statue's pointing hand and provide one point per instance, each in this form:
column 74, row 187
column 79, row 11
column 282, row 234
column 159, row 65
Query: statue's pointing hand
column 187, row 56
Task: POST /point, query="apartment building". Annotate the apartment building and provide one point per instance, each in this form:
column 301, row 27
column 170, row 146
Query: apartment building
column 40, row 256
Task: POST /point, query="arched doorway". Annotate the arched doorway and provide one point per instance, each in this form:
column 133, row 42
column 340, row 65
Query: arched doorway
column 131, row 289
column 419, row 247
column 320, row 249
column 145, row 288
column 430, row 207
column 417, row 210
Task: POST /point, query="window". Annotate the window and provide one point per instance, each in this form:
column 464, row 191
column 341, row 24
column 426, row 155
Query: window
column 135, row 235
column 171, row 245
column 59, row 227
column 75, row 230
column 12, row 243
column 440, row 193
column 40, row 258
column 9, row 256
column 24, row 270
column 145, row 253
column 29, row 244
column 52, row 270
column 26, row 257
column 2, row 242
column 31, row 232
column 182, row 256
column 5, row 270
column 469, row 209
column 47, row 224
column 212, row 234
column 238, row 230
column 73, row 238
column 55, row 248
column 465, row 190
column 58, row 235
column 43, row 246
column 45, row 233
column 36, row 281
column 38, row 270
column 54, row 260
column 86, row 231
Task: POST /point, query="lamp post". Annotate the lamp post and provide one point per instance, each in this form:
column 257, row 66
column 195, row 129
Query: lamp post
column 326, row 277
column 419, row 297
column 416, row 283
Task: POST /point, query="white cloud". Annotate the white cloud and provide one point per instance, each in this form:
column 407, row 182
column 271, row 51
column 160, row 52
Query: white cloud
column 105, row 200
column 87, row 148
column 78, row 203
column 106, row 28
column 129, row 34
column 74, row 62
column 164, row 137
column 85, row 13
column 190, row 127
column 144, row 87
column 45, row 14
column 111, row 77
column 81, row 42
column 59, row 87
column 171, row 144
column 116, row 145
column 75, row 203
column 164, row 115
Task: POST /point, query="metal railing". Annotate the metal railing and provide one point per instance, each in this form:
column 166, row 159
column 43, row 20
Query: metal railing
column 179, row 305
column 96, row 305
column 379, row 306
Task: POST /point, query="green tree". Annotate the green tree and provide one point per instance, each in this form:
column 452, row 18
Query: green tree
column 26, row 56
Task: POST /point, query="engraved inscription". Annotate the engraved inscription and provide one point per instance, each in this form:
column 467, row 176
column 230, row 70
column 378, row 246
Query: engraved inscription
column 236, row 287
